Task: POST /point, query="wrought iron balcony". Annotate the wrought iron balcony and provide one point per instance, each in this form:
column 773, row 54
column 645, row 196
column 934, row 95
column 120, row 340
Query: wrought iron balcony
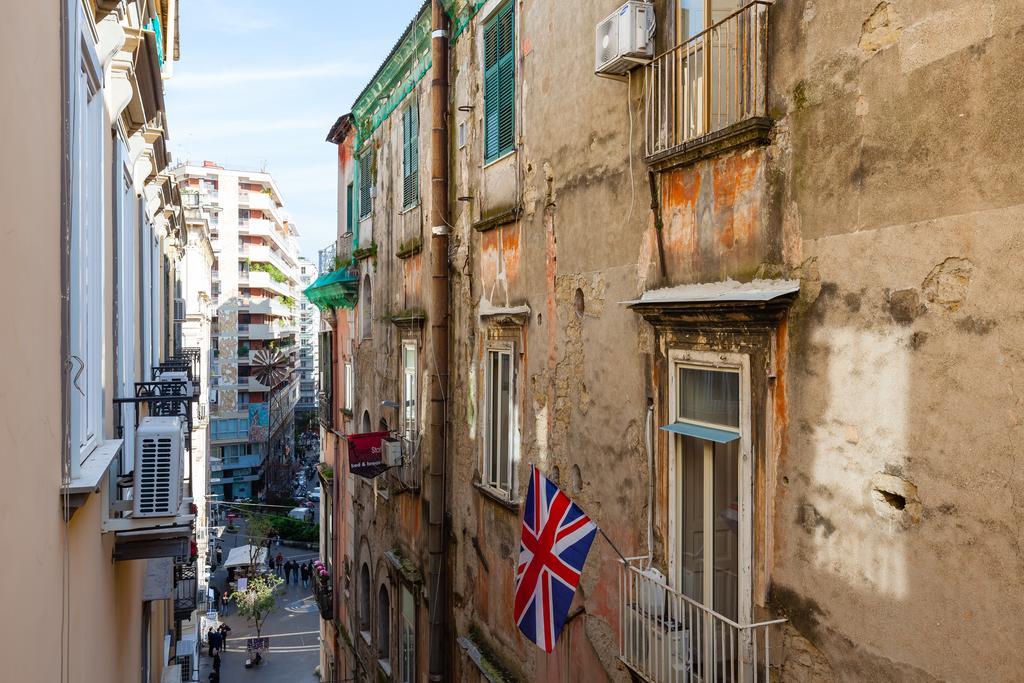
column 323, row 593
column 667, row 637
column 326, row 408
column 709, row 83
column 185, row 590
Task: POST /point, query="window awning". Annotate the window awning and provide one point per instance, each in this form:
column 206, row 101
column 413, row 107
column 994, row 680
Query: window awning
column 702, row 432
column 337, row 289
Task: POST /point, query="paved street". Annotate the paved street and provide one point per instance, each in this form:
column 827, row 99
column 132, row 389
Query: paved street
column 293, row 629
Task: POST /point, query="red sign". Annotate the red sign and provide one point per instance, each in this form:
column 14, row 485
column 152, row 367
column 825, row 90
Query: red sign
column 366, row 454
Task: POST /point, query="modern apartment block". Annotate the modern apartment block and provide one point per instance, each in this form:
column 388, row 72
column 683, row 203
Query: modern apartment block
column 255, row 282
column 737, row 279
column 309, row 348
column 97, row 520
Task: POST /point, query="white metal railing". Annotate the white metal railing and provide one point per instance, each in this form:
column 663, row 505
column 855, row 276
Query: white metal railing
column 715, row 79
column 666, row 637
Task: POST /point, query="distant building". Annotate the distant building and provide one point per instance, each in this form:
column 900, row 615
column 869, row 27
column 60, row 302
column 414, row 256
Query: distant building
column 255, row 282
column 309, row 351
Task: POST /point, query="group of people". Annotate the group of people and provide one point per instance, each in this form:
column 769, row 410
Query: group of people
column 290, row 570
column 215, row 641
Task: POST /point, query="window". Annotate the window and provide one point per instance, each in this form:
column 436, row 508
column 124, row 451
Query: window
column 407, row 638
column 349, row 386
column 85, row 382
column 710, row 520
column 410, row 155
column 499, row 84
column 365, row 184
column 409, row 393
column 384, row 628
column 364, row 602
column 500, row 443
column 367, row 313
column 126, row 214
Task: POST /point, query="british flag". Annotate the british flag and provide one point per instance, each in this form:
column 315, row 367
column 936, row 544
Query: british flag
column 555, row 542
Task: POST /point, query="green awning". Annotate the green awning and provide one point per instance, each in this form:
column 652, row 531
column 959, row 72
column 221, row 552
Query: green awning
column 337, row 289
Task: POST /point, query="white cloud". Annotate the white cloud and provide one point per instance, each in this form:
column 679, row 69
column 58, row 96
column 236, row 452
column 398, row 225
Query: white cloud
column 221, row 79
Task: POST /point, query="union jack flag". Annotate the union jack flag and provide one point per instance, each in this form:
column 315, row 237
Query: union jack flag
column 553, row 549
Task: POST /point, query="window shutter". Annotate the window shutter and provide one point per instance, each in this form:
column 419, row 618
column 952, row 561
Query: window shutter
column 499, row 84
column 410, row 155
column 365, row 182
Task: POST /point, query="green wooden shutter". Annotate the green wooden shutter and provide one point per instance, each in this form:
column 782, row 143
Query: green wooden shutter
column 365, row 182
column 410, row 155
column 499, row 84
column 349, row 209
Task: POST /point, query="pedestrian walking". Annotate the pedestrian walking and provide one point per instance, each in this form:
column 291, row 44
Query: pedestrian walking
column 272, row 565
column 280, row 565
column 304, row 570
column 292, row 575
column 209, row 642
column 216, row 641
column 216, row 661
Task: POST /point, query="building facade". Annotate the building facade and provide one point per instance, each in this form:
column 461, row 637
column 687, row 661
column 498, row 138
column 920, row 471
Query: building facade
column 255, row 282
column 730, row 300
column 94, row 241
column 309, row 341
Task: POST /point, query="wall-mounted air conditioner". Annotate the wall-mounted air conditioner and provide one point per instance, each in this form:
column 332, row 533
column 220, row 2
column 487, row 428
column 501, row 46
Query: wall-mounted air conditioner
column 625, row 38
column 187, row 655
column 391, row 452
column 174, row 376
column 159, row 454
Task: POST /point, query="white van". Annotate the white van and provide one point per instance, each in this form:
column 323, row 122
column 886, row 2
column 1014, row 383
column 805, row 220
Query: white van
column 301, row 514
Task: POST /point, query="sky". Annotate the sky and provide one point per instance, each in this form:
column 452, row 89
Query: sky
column 260, row 82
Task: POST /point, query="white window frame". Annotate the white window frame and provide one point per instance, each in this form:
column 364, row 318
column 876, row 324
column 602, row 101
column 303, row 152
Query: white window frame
column 350, row 393
column 722, row 362
column 491, row 481
column 87, row 177
column 126, row 211
column 409, row 419
column 406, row 635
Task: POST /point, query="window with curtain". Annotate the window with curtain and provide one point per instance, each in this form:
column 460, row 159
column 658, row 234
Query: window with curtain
column 499, row 83
column 410, row 155
column 499, row 421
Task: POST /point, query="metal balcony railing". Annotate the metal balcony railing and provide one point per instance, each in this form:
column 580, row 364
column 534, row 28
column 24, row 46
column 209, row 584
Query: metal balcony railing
column 666, row 637
column 326, row 257
column 714, row 80
column 326, row 409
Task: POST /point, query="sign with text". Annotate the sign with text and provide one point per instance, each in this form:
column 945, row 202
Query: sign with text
column 366, row 454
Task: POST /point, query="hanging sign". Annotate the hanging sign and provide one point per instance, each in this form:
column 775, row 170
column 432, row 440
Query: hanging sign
column 366, row 454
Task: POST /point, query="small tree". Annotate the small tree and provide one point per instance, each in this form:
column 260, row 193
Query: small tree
column 258, row 599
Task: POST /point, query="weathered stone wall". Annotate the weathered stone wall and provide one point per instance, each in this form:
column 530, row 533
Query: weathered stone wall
column 896, row 178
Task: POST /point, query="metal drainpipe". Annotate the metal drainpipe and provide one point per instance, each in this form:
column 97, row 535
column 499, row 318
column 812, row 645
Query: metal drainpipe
column 439, row 333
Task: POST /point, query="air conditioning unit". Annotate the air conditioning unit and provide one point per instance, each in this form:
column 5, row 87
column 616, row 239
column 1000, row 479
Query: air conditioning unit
column 391, row 452
column 625, row 38
column 159, row 454
column 188, row 657
column 175, row 376
column 660, row 647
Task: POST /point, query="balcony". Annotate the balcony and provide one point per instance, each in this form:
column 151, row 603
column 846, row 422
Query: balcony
column 185, row 590
column 666, row 637
column 262, row 227
column 711, row 88
column 326, row 410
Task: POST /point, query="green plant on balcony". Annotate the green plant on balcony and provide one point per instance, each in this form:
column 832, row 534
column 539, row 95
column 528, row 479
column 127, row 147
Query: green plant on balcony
column 287, row 301
column 366, row 252
column 410, row 247
column 275, row 273
column 326, row 471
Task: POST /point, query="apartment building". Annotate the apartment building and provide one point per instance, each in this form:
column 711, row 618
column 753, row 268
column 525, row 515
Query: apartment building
column 255, row 330
column 101, row 559
column 740, row 299
column 309, row 336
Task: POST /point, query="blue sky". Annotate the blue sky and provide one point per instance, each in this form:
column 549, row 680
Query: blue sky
column 260, row 82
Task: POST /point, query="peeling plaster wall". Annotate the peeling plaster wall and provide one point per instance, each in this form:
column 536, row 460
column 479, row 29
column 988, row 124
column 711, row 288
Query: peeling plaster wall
column 898, row 190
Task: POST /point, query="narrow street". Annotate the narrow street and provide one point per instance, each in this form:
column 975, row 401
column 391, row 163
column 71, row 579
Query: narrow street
column 293, row 628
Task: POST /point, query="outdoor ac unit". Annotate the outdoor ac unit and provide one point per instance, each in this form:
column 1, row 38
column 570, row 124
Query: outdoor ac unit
column 659, row 646
column 624, row 38
column 391, row 451
column 159, row 452
column 187, row 657
column 175, row 376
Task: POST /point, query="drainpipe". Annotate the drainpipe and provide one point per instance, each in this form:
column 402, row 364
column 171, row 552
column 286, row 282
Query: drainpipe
column 438, row 319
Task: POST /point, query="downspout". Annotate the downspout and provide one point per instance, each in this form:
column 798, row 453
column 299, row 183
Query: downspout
column 438, row 318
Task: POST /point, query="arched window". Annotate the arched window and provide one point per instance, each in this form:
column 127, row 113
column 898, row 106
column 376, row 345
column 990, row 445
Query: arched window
column 384, row 626
column 367, row 312
column 366, row 422
column 364, row 600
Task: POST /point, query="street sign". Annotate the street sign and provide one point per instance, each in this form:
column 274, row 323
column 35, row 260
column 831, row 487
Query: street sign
column 366, row 454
